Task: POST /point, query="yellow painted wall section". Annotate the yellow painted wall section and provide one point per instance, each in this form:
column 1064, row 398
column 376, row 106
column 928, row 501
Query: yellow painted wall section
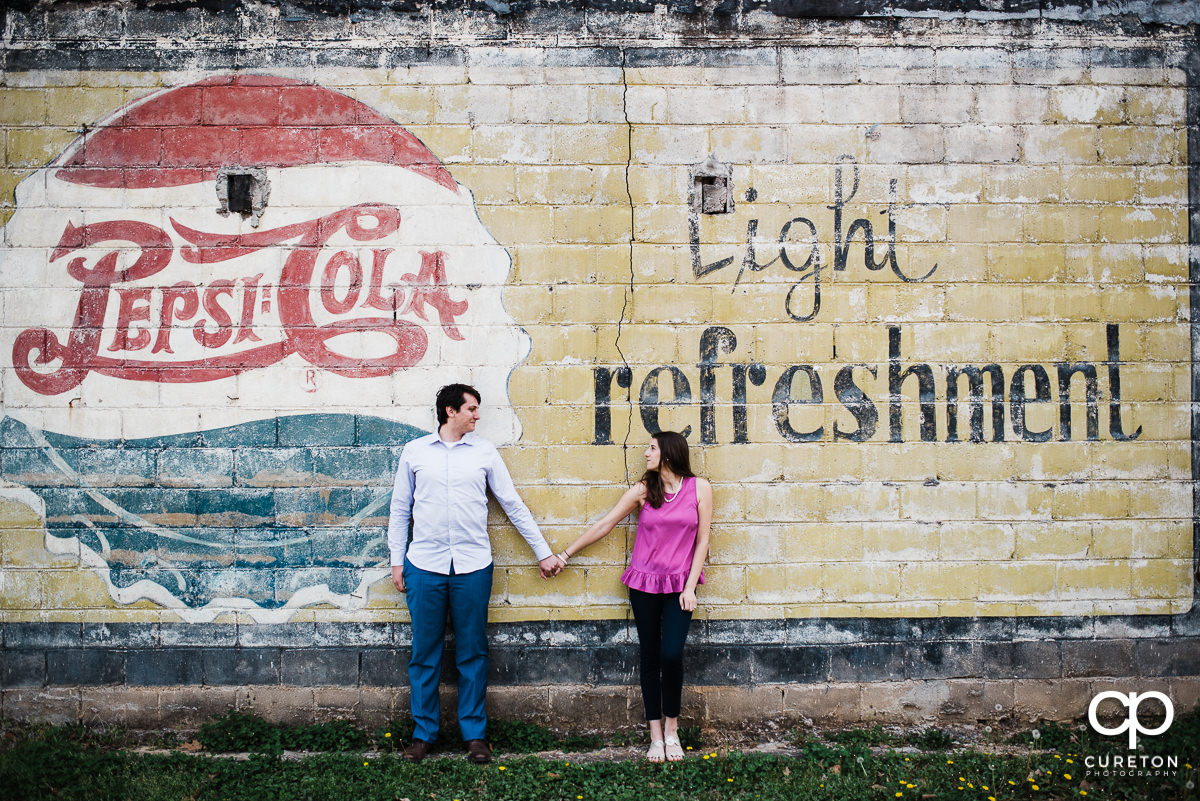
column 899, row 238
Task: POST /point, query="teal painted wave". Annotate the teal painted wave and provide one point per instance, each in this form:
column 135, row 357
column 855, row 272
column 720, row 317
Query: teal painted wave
column 258, row 511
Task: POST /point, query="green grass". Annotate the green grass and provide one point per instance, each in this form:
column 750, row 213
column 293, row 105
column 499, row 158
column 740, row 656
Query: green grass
column 40, row 763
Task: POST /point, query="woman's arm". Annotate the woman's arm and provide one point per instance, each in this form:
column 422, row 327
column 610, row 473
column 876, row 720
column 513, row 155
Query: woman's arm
column 687, row 598
column 632, row 498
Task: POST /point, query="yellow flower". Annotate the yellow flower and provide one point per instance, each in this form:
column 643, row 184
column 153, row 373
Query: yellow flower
column 729, row 780
column 1067, row 776
column 910, row 786
column 1070, row 762
column 1083, row 792
column 365, row 764
column 689, row 748
column 961, row 779
column 502, row 767
column 971, row 785
column 706, row 756
column 949, row 761
column 1035, row 787
column 1010, row 781
column 984, row 786
column 389, row 734
column 991, row 798
column 899, row 795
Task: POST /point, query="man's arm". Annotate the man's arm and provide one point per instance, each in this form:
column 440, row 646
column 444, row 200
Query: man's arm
column 398, row 520
column 501, row 485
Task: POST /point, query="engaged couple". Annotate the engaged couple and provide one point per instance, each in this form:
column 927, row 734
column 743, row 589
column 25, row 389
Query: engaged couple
column 446, row 565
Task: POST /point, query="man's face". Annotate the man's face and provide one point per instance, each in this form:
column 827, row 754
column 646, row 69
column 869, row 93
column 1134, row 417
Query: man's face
column 463, row 420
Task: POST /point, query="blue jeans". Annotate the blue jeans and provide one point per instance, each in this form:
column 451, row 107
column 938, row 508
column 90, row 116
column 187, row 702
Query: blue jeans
column 465, row 596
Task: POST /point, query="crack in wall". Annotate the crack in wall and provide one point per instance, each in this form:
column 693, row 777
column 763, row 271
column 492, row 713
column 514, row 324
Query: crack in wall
column 628, row 300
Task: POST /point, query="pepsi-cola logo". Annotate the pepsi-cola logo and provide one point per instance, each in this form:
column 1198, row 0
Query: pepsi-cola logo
column 209, row 403
column 149, row 317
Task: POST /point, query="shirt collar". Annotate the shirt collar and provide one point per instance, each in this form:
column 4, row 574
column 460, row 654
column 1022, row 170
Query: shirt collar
column 466, row 439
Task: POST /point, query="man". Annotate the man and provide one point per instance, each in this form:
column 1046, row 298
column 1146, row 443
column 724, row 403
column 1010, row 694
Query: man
column 441, row 486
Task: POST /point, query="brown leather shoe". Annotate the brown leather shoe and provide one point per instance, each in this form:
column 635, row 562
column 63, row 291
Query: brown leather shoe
column 479, row 752
column 417, row 751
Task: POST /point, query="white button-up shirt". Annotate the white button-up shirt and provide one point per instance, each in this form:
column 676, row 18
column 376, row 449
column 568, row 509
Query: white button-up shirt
column 442, row 487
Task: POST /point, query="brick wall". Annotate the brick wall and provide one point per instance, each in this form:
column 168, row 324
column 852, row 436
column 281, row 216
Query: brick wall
column 934, row 359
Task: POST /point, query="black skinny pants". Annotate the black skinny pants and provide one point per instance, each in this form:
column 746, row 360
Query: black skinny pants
column 662, row 629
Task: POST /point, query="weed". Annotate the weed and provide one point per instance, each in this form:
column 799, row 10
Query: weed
column 242, row 731
column 931, row 740
column 336, row 735
column 690, row 737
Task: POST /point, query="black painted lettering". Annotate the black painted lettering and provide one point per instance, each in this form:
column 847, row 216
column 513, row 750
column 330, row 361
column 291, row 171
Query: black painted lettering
column 783, row 398
column 854, row 399
column 811, row 268
column 649, row 402
column 1091, row 393
column 975, row 400
column 714, row 341
column 603, row 376
column 757, row 374
column 842, row 242
column 750, row 260
column 926, row 389
column 1115, row 427
column 891, row 255
column 699, row 268
column 1018, row 400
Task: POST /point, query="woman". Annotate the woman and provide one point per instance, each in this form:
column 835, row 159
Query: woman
column 664, row 569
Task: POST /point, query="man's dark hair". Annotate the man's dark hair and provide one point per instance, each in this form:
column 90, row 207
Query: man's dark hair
column 454, row 396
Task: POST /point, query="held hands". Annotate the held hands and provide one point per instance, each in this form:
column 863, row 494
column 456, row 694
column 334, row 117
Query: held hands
column 687, row 600
column 551, row 566
column 398, row 578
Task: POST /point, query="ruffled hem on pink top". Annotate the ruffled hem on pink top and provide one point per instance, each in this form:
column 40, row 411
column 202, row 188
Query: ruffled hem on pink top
column 659, row 583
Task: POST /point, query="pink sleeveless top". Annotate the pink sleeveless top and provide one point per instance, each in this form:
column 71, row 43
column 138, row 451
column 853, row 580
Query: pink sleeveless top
column 665, row 544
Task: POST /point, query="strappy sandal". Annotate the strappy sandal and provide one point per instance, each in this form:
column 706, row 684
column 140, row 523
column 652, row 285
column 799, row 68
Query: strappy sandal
column 673, row 749
column 656, row 753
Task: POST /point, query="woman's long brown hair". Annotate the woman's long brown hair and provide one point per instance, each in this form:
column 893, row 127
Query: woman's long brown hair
column 673, row 450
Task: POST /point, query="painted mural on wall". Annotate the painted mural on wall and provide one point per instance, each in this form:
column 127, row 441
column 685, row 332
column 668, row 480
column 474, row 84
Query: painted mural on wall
column 219, row 292
column 988, row 402
column 935, row 356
